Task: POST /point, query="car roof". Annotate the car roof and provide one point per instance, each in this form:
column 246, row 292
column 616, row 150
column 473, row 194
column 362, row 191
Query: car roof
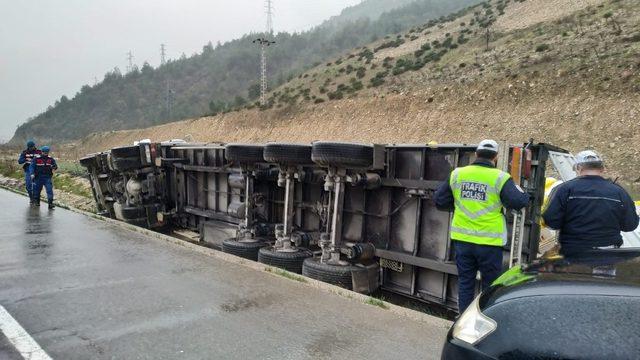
column 613, row 272
column 620, row 266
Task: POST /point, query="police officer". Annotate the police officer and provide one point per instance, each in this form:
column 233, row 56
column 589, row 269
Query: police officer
column 26, row 156
column 590, row 211
column 41, row 171
column 477, row 193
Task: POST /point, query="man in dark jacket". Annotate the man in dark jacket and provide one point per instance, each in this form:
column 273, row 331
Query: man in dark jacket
column 477, row 193
column 590, row 211
column 41, row 171
column 25, row 158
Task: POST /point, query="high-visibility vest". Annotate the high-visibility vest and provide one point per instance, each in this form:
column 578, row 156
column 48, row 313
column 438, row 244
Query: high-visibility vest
column 478, row 215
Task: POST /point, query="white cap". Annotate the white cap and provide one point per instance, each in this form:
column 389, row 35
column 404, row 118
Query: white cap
column 588, row 156
column 489, row 145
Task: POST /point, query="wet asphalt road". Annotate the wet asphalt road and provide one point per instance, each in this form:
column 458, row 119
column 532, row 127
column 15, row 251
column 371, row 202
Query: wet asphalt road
column 85, row 289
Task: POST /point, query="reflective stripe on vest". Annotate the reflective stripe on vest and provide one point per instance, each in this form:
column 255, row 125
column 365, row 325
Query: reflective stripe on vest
column 44, row 166
column 478, row 210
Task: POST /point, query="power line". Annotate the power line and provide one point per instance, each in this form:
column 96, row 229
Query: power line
column 162, row 54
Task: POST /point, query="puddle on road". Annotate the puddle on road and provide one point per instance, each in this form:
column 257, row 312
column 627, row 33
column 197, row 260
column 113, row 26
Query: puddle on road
column 38, row 227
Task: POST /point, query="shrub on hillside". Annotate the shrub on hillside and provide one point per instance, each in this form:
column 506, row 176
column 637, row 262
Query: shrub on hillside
column 356, row 85
column 379, row 78
column 336, row 95
column 542, row 47
column 390, row 44
column 375, row 82
column 365, row 54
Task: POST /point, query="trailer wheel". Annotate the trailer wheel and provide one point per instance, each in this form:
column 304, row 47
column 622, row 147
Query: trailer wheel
column 340, row 275
column 288, row 154
column 126, row 152
column 244, row 153
column 344, row 155
column 290, row 261
column 243, row 249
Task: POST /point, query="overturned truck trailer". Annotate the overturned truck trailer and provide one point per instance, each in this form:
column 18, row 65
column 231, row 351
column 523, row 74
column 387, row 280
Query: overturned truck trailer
column 354, row 215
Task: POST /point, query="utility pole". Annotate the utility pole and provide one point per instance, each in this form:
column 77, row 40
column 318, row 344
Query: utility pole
column 162, row 54
column 130, row 59
column 269, row 11
column 264, row 43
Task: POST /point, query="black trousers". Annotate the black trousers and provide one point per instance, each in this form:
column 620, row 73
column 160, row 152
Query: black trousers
column 471, row 258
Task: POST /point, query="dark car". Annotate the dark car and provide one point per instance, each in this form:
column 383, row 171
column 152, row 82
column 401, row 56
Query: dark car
column 583, row 307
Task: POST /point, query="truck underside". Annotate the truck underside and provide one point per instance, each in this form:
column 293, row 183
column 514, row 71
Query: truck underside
column 354, row 215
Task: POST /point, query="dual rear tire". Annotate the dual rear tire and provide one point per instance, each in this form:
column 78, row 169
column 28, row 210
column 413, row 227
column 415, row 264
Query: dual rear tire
column 244, row 249
column 288, row 154
column 339, row 275
column 244, row 153
column 342, row 155
column 290, row 261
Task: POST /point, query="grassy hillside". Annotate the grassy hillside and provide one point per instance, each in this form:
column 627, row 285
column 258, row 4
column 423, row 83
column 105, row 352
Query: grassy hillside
column 221, row 78
column 565, row 72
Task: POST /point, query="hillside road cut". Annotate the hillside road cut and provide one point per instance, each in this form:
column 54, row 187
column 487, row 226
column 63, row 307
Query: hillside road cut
column 74, row 287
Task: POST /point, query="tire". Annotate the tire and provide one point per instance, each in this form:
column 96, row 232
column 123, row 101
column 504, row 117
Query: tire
column 126, row 152
column 90, row 162
column 134, row 212
column 288, row 154
column 247, row 250
column 244, row 153
column 333, row 274
column 344, row 155
column 290, row 261
column 124, row 164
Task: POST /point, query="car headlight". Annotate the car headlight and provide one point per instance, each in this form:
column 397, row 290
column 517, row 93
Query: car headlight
column 473, row 325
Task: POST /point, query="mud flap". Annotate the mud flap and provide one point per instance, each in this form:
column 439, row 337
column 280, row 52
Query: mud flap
column 213, row 232
column 367, row 279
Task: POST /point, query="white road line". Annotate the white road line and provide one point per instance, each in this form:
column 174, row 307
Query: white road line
column 21, row 340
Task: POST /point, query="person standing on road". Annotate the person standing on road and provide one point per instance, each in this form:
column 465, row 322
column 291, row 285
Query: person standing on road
column 41, row 171
column 25, row 159
column 477, row 193
column 590, row 211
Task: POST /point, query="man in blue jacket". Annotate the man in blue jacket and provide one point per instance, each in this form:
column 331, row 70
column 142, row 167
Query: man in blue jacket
column 41, row 171
column 26, row 156
column 590, row 211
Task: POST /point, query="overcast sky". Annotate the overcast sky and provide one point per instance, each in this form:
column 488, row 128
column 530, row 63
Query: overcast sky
column 50, row 48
